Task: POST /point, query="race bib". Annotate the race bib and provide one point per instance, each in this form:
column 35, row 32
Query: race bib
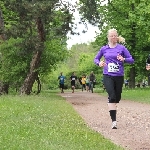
column 113, row 67
column 73, row 78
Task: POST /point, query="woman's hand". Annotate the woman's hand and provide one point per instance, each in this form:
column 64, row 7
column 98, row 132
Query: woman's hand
column 119, row 57
column 102, row 63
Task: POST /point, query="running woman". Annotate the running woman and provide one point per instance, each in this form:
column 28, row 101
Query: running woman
column 115, row 55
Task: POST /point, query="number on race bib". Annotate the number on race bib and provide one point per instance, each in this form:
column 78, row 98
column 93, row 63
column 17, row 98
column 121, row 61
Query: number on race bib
column 113, row 67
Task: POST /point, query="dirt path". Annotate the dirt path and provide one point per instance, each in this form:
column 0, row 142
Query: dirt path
column 133, row 119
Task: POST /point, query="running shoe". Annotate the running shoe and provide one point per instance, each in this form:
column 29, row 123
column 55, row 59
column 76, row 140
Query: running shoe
column 114, row 125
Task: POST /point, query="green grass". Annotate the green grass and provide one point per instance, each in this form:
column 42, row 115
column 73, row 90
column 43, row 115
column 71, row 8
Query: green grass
column 138, row 94
column 45, row 122
column 141, row 95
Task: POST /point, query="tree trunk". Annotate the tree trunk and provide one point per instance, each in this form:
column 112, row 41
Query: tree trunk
column 2, row 36
column 132, row 78
column 4, row 87
column 32, row 75
column 38, row 85
column 133, row 45
column 35, row 63
column 148, row 79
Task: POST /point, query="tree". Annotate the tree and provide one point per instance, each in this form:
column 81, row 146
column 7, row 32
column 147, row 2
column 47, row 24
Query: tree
column 34, row 25
column 3, row 85
column 130, row 18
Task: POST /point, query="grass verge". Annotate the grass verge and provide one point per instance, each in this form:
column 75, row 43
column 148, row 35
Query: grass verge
column 138, row 94
column 45, row 122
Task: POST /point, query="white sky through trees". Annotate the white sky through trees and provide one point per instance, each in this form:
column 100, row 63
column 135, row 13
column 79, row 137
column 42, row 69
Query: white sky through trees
column 87, row 37
column 83, row 37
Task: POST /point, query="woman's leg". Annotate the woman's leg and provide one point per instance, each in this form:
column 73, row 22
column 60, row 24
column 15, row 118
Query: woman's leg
column 118, row 87
column 109, row 84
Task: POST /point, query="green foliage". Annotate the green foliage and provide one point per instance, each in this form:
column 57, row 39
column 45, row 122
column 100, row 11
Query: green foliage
column 14, row 62
column 81, row 61
column 86, row 65
column 24, row 39
column 88, row 9
column 131, row 19
column 55, row 52
column 85, row 62
column 80, row 53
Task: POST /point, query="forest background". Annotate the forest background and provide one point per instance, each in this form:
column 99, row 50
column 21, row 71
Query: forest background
column 33, row 46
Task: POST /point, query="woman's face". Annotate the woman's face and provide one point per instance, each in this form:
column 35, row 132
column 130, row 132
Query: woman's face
column 113, row 37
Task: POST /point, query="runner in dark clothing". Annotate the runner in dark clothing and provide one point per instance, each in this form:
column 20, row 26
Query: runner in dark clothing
column 92, row 81
column 73, row 79
column 61, row 79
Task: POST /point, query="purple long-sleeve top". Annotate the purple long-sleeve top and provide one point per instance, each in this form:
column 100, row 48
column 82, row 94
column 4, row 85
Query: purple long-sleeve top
column 113, row 67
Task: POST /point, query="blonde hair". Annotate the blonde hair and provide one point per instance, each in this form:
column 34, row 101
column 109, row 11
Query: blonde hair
column 120, row 38
column 111, row 30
